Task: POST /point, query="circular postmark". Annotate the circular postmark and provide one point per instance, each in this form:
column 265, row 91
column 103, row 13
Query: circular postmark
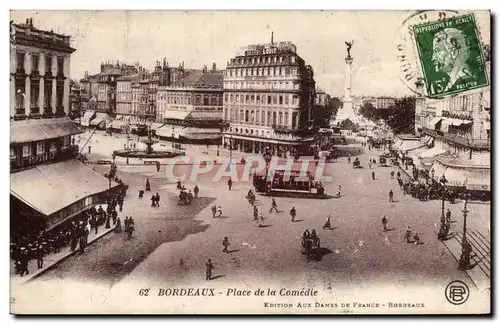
column 410, row 70
column 457, row 292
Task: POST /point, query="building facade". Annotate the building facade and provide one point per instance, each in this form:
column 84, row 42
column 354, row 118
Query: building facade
column 459, row 128
column 43, row 147
column 191, row 107
column 39, row 83
column 269, row 94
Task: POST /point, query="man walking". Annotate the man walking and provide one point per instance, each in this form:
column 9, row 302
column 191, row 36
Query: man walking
column 196, row 191
column 209, row 267
column 214, row 211
column 273, row 206
column 328, row 223
column 391, row 196
column 392, row 174
column 225, row 244
column 157, row 200
column 448, row 216
column 229, row 183
column 384, row 223
column 255, row 213
column 373, row 175
column 39, row 256
column 293, row 213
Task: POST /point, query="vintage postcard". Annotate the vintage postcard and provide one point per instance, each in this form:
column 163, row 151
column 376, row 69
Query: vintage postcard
column 250, row 162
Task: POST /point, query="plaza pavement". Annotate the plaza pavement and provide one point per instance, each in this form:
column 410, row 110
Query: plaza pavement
column 357, row 254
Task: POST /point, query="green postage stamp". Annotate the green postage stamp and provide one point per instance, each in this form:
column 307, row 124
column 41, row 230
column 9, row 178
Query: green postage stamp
column 451, row 56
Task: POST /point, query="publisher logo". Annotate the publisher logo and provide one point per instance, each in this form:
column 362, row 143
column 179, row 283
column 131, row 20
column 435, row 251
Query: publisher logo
column 457, row 292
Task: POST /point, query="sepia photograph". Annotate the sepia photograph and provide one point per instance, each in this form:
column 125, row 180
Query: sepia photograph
column 250, row 162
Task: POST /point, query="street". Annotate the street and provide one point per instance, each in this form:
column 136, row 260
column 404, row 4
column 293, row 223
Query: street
column 172, row 242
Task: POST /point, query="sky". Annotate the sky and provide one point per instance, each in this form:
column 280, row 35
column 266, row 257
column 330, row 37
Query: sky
column 204, row 37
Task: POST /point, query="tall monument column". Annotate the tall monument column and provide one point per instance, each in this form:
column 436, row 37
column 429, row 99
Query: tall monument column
column 347, row 110
column 348, row 106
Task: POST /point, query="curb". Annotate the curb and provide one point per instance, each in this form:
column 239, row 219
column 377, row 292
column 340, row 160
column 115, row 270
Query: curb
column 67, row 256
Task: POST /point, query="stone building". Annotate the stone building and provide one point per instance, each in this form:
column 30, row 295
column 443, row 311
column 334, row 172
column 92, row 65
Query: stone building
column 269, row 94
column 191, row 107
column 48, row 185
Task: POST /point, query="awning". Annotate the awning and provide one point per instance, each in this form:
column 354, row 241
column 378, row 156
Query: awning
column 431, row 153
column 100, row 117
column 462, row 175
column 155, row 126
column 446, row 124
column 58, row 185
column 31, row 130
column 429, row 141
column 175, row 114
column 205, row 115
column 410, row 146
column 118, row 124
column 200, row 136
column 434, row 121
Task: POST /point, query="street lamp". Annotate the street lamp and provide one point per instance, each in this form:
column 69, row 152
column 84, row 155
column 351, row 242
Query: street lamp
column 230, row 147
column 445, row 227
column 464, row 262
column 173, row 134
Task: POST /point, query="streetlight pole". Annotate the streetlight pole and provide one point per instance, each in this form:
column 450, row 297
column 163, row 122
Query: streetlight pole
column 464, row 262
column 230, row 148
column 445, row 227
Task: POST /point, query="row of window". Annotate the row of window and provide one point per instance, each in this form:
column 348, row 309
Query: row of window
column 206, row 100
column 264, row 85
column 260, row 117
column 264, row 99
column 259, row 60
column 35, row 94
column 35, row 62
column 39, row 147
column 266, row 71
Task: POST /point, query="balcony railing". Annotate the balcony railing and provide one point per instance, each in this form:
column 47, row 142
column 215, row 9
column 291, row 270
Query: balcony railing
column 477, row 144
column 70, row 152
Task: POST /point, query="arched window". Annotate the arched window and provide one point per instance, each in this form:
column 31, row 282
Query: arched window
column 213, row 100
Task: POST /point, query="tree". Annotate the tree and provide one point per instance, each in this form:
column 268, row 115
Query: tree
column 368, row 111
column 323, row 114
column 401, row 116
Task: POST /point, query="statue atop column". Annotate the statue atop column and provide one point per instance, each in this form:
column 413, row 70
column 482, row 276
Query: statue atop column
column 349, row 46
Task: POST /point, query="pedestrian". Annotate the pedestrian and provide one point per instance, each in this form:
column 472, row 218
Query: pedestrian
column 126, row 224
column 141, row 192
column 392, row 174
column 114, row 215
column 328, row 223
column 448, row 216
column 157, row 166
column 148, row 185
column 120, row 204
column 391, row 196
column 399, row 174
column 349, row 158
column 196, row 190
column 338, row 191
column 108, row 219
column 209, row 267
column 407, row 235
column 220, row 212
column 274, row 206
column 370, row 164
column 373, row 175
column 90, row 149
column 384, row 223
column 153, row 200
column 82, row 244
column 39, row 256
column 261, row 220
column 157, row 200
column 229, row 183
column 118, row 226
column 293, row 213
column 255, row 213
column 225, row 244
column 214, row 211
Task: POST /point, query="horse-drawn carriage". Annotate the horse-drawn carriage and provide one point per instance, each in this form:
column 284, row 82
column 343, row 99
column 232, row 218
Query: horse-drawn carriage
column 184, row 198
column 310, row 244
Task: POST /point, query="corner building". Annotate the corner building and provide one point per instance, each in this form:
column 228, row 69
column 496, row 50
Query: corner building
column 269, row 94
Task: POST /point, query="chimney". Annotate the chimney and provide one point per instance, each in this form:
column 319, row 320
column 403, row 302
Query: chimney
column 272, row 37
column 214, row 67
